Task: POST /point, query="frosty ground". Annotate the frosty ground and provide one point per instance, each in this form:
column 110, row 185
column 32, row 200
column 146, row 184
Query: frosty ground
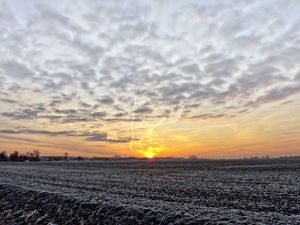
column 252, row 191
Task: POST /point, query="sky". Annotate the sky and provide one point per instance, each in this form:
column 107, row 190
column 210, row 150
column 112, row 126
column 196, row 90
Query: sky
column 214, row 79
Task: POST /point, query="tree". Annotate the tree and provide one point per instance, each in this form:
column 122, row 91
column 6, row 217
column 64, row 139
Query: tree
column 36, row 155
column 17, row 157
column 66, row 156
column 14, row 156
column 29, row 155
column 3, row 157
column 22, row 158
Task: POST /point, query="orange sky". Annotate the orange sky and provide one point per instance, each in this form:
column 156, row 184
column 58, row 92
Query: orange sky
column 273, row 131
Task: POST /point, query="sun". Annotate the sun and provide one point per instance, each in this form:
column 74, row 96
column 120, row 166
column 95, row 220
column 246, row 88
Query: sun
column 150, row 152
column 150, row 155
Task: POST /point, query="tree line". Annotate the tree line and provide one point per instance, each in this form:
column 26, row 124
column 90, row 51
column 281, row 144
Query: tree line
column 17, row 157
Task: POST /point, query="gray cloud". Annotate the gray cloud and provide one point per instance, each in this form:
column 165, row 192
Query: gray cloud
column 42, row 132
column 143, row 109
column 97, row 137
column 8, row 100
column 107, row 100
column 209, row 116
column 89, row 136
column 14, row 69
column 26, row 114
column 277, row 94
column 99, row 114
column 191, row 69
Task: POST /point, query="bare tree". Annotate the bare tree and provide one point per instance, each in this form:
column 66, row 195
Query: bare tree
column 66, row 156
column 36, row 154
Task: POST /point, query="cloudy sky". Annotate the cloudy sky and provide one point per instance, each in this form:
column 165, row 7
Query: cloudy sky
column 217, row 78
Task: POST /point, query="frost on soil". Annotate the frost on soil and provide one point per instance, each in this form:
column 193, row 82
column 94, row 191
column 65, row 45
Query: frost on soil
column 154, row 192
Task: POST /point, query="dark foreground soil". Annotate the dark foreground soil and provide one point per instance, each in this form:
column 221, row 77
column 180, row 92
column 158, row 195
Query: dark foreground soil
column 151, row 193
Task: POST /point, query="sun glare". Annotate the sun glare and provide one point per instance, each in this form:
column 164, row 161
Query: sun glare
column 150, row 155
column 151, row 152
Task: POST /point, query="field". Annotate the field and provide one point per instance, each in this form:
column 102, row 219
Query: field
column 253, row 191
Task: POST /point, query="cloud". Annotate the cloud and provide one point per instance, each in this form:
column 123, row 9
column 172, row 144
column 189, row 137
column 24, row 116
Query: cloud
column 14, row 69
column 107, row 100
column 209, row 116
column 144, row 109
column 277, row 94
column 54, row 113
column 190, row 69
column 8, row 100
column 186, row 56
column 25, row 114
column 89, row 136
column 297, row 77
column 39, row 132
column 97, row 137
column 99, row 114
column 222, row 68
column 260, row 78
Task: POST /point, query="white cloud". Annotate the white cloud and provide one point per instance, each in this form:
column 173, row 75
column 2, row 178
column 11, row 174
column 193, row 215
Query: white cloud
column 167, row 53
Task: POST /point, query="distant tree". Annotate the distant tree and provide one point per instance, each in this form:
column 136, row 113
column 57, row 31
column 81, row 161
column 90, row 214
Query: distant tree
column 22, row 158
column 3, row 157
column 17, row 157
column 79, row 158
column 66, row 156
column 33, row 156
column 36, row 155
column 14, row 156
column 29, row 155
